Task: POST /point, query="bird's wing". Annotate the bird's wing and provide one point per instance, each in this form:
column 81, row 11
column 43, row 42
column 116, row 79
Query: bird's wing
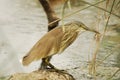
column 68, row 38
column 46, row 46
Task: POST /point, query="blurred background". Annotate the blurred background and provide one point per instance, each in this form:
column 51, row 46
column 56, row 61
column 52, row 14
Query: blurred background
column 23, row 23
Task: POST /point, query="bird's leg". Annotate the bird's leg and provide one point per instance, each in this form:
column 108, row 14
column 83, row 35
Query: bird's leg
column 46, row 63
column 47, row 60
column 43, row 64
column 51, row 16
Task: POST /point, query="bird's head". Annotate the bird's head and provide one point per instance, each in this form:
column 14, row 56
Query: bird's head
column 83, row 27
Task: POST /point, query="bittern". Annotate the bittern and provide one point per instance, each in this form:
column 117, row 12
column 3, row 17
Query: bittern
column 55, row 42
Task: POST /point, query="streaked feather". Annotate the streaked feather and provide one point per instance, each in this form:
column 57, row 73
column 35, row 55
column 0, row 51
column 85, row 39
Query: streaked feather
column 55, row 41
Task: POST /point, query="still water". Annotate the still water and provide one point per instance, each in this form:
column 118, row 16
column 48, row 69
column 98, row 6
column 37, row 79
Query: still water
column 23, row 23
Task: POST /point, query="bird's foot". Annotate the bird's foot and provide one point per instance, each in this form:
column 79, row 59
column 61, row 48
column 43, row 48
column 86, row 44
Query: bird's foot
column 51, row 68
column 48, row 67
column 56, row 70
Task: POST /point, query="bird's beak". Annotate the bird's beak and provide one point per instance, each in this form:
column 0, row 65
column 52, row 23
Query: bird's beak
column 91, row 30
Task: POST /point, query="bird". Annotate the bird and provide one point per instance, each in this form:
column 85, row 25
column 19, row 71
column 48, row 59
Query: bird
column 55, row 42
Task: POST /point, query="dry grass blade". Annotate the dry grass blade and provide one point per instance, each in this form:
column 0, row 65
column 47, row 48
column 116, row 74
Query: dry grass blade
column 118, row 3
column 92, row 66
column 108, row 18
column 68, row 15
column 64, row 6
column 114, row 74
column 69, row 5
column 101, row 9
column 100, row 62
column 63, row 10
column 107, row 3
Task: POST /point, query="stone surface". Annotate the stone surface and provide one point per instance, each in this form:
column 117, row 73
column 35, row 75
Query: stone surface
column 42, row 75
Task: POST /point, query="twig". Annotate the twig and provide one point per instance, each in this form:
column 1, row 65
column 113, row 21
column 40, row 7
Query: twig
column 76, row 12
column 114, row 74
column 92, row 67
column 101, row 9
column 108, row 19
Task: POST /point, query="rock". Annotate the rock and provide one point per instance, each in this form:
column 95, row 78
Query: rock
column 42, row 75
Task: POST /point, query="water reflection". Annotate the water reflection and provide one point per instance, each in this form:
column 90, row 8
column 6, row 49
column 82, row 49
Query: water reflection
column 18, row 20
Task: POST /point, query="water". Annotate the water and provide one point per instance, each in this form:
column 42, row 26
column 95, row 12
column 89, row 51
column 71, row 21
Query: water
column 23, row 23
column 19, row 19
